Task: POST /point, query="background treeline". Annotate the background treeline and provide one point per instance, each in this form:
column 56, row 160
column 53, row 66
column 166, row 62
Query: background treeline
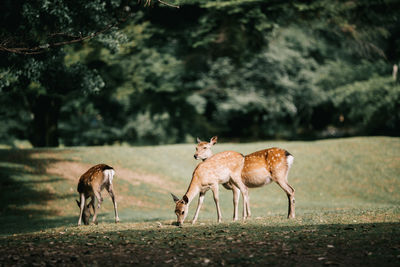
column 244, row 70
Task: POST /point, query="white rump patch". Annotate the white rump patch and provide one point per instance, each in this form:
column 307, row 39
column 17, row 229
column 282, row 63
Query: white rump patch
column 108, row 175
column 289, row 160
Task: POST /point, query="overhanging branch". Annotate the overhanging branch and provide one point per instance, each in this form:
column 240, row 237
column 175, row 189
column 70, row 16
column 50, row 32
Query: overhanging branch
column 75, row 39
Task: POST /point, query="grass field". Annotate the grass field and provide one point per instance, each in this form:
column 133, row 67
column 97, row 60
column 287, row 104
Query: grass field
column 347, row 208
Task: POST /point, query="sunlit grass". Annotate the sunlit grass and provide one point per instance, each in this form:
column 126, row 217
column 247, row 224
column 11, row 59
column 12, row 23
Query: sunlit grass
column 336, row 176
column 347, row 207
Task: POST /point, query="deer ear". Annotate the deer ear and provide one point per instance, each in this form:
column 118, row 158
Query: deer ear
column 198, row 140
column 185, row 199
column 176, row 199
column 79, row 203
column 213, row 140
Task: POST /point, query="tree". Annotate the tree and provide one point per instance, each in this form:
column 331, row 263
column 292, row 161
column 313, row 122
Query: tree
column 243, row 68
column 43, row 80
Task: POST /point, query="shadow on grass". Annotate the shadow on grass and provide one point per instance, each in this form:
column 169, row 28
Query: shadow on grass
column 25, row 198
column 236, row 244
column 37, row 160
column 22, row 225
column 368, row 244
column 23, row 201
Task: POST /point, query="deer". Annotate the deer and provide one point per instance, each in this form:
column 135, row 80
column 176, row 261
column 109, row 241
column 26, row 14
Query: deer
column 90, row 185
column 221, row 168
column 260, row 168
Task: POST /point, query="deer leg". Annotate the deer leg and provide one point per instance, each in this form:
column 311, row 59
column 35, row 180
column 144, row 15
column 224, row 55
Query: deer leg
column 82, row 206
column 290, row 194
column 237, row 180
column 111, row 193
column 96, row 207
column 91, row 204
column 201, row 199
column 236, row 195
column 216, row 200
column 100, row 201
column 248, row 206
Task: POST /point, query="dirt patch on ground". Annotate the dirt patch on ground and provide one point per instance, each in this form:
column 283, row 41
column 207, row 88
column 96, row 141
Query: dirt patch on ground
column 224, row 245
column 67, row 169
column 73, row 170
column 139, row 177
column 49, row 154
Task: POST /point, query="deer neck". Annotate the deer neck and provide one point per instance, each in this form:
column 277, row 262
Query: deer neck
column 193, row 189
column 208, row 157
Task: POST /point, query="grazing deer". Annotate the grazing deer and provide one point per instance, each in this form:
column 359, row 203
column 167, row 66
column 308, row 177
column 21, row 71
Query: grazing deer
column 220, row 168
column 260, row 168
column 203, row 151
column 91, row 183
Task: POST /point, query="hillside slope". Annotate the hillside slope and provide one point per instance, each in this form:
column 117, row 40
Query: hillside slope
column 339, row 176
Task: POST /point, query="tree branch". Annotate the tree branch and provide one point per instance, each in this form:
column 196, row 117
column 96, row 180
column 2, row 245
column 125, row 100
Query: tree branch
column 167, row 4
column 148, row 3
column 75, row 39
column 41, row 48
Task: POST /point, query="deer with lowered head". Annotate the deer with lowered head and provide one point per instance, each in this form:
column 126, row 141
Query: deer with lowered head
column 90, row 185
column 221, row 168
column 260, row 168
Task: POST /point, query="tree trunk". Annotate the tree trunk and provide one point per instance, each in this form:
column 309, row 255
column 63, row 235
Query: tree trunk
column 46, row 110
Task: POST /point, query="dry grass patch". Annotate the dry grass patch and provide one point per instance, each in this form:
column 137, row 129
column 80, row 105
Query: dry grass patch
column 73, row 170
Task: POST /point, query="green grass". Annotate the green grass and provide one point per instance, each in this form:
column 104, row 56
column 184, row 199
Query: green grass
column 347, row 208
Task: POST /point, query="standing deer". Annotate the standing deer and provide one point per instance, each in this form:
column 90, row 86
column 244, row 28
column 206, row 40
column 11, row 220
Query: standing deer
column 260, row 168
column 91, row 183
column 203, row 151
column 220, row 168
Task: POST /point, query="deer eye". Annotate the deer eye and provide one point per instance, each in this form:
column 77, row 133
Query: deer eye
column 204, row 148
column 183, row 212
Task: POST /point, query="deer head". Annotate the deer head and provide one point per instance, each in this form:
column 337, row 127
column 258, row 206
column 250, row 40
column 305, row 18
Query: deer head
column 86, row 212
column 181, row 208
column 203, row 149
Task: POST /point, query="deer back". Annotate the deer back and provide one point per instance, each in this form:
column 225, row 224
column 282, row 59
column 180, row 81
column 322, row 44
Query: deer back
column 93, row 179
column 219, row 167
